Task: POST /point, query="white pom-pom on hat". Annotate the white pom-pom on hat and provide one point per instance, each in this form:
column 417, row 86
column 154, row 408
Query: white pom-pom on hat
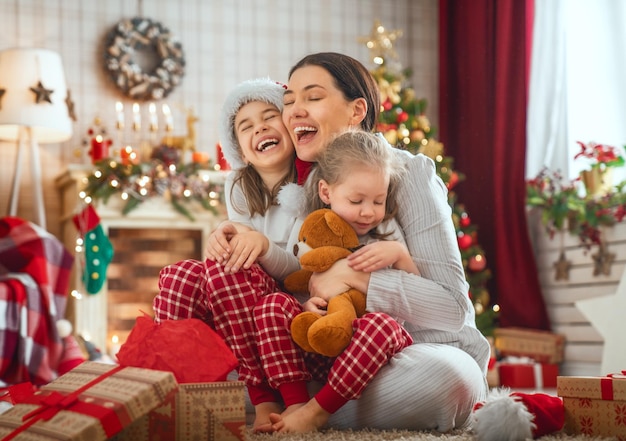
column 259, row 89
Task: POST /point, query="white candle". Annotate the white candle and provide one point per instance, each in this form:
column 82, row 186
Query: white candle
column 115, row 347
column 154, row 124
column 136, row 117
column 169, row 126
column 119, row 109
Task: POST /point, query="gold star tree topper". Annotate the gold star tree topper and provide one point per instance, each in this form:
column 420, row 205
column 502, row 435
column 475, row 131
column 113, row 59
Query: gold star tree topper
column 380, row 42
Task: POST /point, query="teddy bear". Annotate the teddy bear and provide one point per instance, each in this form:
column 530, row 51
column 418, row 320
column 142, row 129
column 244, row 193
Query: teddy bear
column 324, row 238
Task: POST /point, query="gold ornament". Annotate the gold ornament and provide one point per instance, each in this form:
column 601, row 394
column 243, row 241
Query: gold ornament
column 432, row 149
column 562, row 267
column 380, row 43
column 389, row 91
column 602, row 260
column 391, row 136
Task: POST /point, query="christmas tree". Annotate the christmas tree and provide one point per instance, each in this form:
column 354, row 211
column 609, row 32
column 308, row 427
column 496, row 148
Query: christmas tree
column 404, row 123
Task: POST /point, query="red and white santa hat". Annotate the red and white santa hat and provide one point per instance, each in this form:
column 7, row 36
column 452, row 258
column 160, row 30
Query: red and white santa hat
column 259, row 89
column 517, row 416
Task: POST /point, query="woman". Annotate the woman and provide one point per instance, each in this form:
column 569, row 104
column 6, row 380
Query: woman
column 433, row 383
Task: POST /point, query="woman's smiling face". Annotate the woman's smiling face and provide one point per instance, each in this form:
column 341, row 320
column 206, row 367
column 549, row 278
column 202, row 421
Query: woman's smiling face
column 315, row 111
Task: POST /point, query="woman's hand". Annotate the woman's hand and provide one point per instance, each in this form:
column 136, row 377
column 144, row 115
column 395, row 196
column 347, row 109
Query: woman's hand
column 336, row 280
column 245, row 249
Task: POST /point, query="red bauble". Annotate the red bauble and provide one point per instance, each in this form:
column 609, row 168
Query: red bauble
column 465, row 241
column 477, row 263
column 402, row 117
column 387, row 105
column 465, row 220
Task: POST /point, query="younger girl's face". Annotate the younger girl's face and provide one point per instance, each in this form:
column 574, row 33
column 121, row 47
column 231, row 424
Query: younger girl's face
column 264, row 139
column 359, row 198
column 315, row 110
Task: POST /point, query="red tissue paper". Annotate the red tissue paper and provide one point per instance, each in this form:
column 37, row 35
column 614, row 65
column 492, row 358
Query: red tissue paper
column 188, row 348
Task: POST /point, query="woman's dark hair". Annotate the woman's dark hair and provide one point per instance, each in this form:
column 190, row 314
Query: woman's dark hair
column 351, row 77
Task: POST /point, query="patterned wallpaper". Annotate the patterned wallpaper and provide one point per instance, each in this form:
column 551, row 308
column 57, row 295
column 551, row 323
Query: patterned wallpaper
column 223, row 42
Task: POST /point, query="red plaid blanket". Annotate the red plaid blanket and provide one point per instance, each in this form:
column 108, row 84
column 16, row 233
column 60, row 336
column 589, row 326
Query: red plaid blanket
column 34, row 279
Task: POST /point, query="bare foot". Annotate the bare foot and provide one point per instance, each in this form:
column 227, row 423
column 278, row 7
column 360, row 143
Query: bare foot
column 262, row 412
column 308, row 418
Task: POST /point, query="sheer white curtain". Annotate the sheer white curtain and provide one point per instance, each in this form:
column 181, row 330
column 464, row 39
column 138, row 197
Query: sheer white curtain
column 577, row 83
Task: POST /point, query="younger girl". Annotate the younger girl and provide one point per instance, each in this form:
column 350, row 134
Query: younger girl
column 356, row 177
column 223, row 291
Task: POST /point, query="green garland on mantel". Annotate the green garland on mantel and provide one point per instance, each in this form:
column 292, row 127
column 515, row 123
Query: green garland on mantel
column 185, row 185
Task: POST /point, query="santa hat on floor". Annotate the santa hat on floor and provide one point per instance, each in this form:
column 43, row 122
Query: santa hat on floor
column 506, row 416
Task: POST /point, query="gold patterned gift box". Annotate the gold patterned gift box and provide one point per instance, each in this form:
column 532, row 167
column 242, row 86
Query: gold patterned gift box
column 92, row 402
column 199, row 411
column 594, row 405
column 541, row 346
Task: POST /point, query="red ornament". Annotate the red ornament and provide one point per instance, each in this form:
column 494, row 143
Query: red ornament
column 452, row 180
column 477, row 262
column 402, row 117
column 465, row 241
column 465, row 220
column 387, row 105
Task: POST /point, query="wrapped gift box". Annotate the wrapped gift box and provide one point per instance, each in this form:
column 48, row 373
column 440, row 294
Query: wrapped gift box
column 206, row 411
column 527, row 374
column 541, row 346
column 92, row 402
column 594, row 406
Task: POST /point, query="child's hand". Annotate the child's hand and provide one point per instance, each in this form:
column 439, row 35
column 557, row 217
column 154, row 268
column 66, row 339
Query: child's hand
column 218, row 248
column 316, row 304
column 377, row 255
column 382, row 254
column 245, row 249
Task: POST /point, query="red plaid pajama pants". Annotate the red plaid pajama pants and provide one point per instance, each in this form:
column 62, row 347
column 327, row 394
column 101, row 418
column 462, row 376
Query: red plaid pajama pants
column 377, row 337
column 250, row 313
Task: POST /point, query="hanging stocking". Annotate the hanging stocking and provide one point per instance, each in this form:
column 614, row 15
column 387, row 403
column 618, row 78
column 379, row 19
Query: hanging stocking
column 98, row 249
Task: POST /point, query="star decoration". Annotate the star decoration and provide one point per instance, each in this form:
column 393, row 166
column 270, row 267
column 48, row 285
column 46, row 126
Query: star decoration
column 41, row 93
column 70, row 106
column 380, row 43
column 2, row 92
column 606, row 314
column 562, row 267
column 602, row 261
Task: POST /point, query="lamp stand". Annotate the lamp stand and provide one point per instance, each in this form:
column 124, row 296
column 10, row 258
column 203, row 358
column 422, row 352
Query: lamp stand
column 25, row 133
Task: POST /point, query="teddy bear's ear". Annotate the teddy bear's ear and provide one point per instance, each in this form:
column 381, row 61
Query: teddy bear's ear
column 336, row 224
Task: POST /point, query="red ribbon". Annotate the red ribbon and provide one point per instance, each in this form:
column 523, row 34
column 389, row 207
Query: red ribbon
column 51, row 402
column 606, row 384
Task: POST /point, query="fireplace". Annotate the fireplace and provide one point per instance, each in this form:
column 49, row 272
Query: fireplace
column 145, row 240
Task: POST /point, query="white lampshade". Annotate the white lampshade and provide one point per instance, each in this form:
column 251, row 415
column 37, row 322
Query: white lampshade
column 21, row 69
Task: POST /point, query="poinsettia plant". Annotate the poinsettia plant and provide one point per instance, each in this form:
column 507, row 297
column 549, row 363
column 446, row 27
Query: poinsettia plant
column 600, row 155
column 562, row 206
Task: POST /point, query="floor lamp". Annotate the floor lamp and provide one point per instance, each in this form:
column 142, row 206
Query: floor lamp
column 35, row 108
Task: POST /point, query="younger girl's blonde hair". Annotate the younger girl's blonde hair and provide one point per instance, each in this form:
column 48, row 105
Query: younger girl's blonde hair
column 349, row 149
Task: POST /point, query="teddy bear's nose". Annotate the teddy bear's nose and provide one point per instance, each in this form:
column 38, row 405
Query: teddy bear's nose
column 295, row 250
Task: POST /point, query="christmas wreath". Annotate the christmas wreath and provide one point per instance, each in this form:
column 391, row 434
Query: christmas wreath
column 143, row 59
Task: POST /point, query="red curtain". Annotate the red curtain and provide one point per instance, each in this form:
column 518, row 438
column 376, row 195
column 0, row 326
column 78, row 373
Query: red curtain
column 484, row 68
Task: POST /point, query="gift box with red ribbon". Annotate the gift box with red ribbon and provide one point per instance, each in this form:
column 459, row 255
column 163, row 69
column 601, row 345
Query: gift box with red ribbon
column 594, row 406
column 525, row 373
column 92, row 402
